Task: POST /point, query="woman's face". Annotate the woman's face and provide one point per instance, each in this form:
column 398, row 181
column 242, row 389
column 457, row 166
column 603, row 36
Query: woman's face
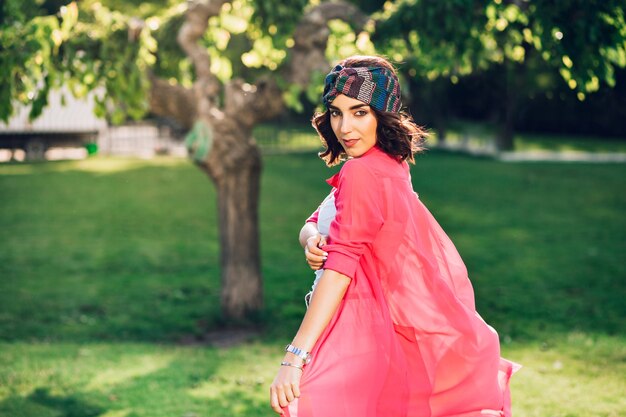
column 354, row 124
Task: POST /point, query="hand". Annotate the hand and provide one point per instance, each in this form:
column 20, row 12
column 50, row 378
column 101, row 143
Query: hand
column 315, row 256
column 285, row 388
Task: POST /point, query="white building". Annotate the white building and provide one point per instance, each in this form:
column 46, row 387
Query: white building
column 63, row 130
column 59, row 126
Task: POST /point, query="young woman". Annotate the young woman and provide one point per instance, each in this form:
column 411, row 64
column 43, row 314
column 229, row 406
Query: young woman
column 391, row 329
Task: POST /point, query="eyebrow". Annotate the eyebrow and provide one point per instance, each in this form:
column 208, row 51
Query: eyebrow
column 356, row 106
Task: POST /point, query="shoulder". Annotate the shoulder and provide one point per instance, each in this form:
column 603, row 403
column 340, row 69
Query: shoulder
column 376, row 164
column 356, row 171
column 356, row 165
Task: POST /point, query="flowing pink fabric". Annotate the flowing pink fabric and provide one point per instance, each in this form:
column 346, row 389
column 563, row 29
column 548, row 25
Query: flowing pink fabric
column 406, row 340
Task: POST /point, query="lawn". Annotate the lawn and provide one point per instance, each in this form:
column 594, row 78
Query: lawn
column 460, row 134
column 109, row 282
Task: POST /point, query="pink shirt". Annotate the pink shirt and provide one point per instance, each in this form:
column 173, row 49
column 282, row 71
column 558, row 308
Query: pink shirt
column 406, row 339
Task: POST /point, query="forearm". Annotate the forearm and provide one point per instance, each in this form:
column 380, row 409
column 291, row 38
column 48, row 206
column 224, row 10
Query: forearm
column 328, row 294
column 308, row 230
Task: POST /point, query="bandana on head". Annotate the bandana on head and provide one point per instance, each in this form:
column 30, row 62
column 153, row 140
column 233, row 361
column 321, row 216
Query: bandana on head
column 376, row 86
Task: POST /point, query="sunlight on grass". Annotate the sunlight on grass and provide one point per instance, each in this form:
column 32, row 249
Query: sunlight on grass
column 95, row 165
column 578, row 375
column 129, row 368
column 117, row 413
column 244, row 368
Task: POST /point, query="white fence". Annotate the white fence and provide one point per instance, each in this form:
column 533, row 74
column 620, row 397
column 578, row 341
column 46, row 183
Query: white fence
column 139, row 139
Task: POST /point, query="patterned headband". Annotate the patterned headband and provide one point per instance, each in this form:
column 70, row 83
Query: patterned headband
column 376, row 86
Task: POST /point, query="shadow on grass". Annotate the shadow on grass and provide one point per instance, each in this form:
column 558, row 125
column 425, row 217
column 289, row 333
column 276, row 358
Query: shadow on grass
column 42, row 404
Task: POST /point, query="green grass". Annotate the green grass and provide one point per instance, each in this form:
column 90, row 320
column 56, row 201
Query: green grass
column 480, row 135
column 109, row 267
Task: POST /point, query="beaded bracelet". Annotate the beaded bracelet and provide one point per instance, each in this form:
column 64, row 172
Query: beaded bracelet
column 291, row 364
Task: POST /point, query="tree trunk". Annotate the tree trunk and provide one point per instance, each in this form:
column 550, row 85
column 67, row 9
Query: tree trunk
column 514, row 84
column 238, row 201
column 506, row 126
column 438, row 92
column 506, row 130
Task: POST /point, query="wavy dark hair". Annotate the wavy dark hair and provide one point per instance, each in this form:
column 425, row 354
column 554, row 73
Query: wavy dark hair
column 396, row 133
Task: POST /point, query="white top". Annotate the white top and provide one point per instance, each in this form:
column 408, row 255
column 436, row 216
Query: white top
column 325, row 216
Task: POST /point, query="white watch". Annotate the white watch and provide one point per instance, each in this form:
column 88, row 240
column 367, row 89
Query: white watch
column 305, row 356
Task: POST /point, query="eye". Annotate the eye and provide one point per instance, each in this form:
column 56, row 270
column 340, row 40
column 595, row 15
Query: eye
column 335, row 113
column 360, row 113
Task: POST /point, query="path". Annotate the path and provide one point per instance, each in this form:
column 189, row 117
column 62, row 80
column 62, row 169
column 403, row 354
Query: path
column 537, row 155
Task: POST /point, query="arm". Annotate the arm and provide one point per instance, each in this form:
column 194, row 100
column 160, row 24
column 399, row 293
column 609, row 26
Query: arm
column 308, row 230
column 311, row 241
column 328, row 295
column 354, row 228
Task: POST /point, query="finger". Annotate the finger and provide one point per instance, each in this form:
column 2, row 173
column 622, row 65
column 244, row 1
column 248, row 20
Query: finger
column 296, row 389
column 274, row 401
column 315, row 250
column 315, row 242
column 315, row 263
column 315, row 258
column 310, row 257
column 289, row 393
column 282, row 398
column 317, row 254
column 311, row 261
column 315, row 267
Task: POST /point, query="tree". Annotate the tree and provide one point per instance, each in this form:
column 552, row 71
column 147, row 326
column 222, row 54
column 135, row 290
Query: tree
column 232, row 160
column 134, row 67
column 584, row 40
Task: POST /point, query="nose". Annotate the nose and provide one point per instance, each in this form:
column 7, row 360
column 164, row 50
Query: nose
column 346, row 125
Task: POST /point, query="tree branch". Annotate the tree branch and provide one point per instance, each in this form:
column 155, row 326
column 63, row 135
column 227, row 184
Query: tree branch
column 251, row 104
column 207, row 86
column 311, row 37
column 173, row 101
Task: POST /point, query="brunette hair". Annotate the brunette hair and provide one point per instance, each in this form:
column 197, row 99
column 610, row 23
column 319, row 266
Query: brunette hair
column 396, row 133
